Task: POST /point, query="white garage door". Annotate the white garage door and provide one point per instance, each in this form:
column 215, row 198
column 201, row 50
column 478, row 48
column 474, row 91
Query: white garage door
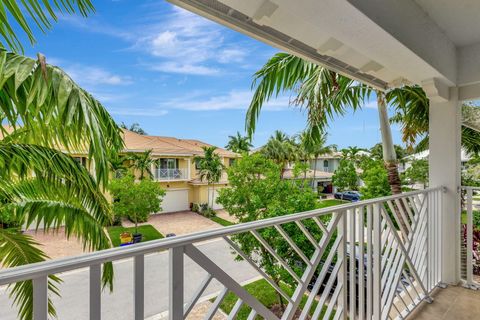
column 175, row 200
column 216, row 206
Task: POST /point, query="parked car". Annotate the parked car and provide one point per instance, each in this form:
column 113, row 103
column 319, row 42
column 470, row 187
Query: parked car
column 348, row 195
column 358, row 262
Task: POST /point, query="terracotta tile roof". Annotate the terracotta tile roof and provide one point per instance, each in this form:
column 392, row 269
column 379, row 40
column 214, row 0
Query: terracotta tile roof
column 135, row 142
column 168, row 145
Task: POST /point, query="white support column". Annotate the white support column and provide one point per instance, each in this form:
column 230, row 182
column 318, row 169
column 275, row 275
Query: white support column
column 444, row 161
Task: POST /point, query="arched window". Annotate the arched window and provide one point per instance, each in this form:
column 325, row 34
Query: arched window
column 325, row 163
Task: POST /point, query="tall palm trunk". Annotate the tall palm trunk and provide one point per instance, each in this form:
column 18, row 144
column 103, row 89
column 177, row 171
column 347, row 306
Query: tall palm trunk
column 315, row 173
column 389, row 155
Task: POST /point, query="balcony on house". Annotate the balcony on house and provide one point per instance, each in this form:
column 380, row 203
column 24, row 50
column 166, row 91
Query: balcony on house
column 169, row 169
column 170, row 174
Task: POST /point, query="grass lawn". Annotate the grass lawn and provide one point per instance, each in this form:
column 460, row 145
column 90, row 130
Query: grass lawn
column 264, row 292
column 148, row 233
column 221, row 221
column 330, row 203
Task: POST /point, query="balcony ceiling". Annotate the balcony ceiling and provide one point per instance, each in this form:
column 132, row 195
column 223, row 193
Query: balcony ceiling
column 459, row 19
column 384, row 43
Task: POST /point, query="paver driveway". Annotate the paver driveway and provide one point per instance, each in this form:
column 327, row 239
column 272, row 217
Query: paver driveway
column 179, row 223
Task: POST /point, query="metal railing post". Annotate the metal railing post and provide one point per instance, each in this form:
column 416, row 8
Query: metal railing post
column 139, row 286
column 40, row 298
column 95, row 292
column 176, row 283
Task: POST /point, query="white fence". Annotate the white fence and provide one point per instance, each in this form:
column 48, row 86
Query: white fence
column 375, row 259
column 470, row 252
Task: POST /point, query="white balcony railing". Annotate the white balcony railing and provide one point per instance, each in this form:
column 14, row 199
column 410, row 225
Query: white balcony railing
column 171, row 174
column 374, row 259
column 470, row 240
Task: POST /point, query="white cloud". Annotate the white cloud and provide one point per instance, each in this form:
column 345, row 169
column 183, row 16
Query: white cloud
column 372, row 104
column 91, row 76
column 233, row 100
column 175, row 67
column 189, row 44
column 231, row 55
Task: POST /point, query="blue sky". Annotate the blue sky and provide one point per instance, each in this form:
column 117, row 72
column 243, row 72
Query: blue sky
column 177, row 74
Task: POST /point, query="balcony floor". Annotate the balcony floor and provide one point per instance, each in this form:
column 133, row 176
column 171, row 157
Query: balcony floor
column 454, row 302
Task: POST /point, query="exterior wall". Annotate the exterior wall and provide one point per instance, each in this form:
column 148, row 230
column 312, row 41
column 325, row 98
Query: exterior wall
column 333, row 164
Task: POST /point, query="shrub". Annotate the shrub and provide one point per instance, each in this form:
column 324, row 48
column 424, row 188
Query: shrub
column 7, row 217
column 136, row 200
column 203, row 207
column 345, row 177
column 195, row 207
column 206, row 211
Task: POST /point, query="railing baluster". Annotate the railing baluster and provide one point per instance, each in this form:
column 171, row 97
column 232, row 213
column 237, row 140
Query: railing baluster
column 40, row 298
column 95, row 292
column 176, row 283
column 351, row 260
column 377, row 258
column 369, row 263
column 361, row 265
column 342, row 272
column 197, row 294
column 216, row 304
column 235, row 310
column 469, row 237
column 139, row 287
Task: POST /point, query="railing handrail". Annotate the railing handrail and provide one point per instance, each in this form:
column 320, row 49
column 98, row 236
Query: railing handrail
column 35, row 270
column 470, row 187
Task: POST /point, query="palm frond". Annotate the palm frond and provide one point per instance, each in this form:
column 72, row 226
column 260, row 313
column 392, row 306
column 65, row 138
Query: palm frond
column 18, row 249
column 41, row 12
column 321, row 92
column 54, row 111
column 282, row 73
column 23, row 160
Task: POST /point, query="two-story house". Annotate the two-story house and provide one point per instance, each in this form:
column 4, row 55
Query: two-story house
column 177, row 171
column 321, row 171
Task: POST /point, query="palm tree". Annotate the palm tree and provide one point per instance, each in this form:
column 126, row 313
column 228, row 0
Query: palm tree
column 117, row 165
column 238, row 143
column 211, row 168
column 352, row 153
column 281, row 149
column 323, row 94
column 41, row 13
column 143, row 163
column 40, row 183
column 412, row 109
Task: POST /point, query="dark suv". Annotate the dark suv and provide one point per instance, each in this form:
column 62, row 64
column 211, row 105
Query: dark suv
column 348, row 195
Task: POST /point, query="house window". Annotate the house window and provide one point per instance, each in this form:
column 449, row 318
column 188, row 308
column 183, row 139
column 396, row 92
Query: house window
column 231, row 162
column 325, row 163
column 197, row 164
column 168, row 163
